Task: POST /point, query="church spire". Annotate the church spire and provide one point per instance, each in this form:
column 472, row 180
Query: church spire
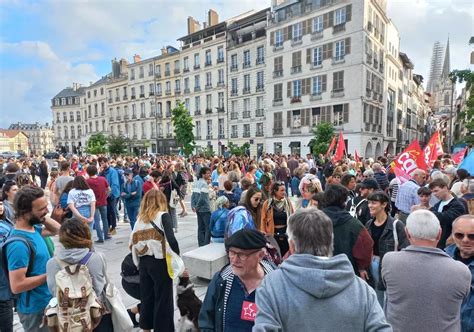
column 447, row 64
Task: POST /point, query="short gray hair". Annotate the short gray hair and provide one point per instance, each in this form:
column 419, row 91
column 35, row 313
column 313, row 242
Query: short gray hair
column 311, row 231
column 423, row 224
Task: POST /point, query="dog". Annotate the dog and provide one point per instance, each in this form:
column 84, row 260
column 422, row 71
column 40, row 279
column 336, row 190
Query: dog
column 189, row 306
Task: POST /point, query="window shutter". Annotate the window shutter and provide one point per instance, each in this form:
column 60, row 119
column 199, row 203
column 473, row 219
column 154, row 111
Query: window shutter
column 348, row 13
column 331, row 19
column 346, row 113
column 288, row 89
column 308, row 85
column 335, row 84
column 308, row 55
column 304, row 27
column 308, row 116
column 329, row 50
column 347, row 44
column 309, row 24
column 325, row 51
column 289, row 33
column 323, row 83
column 272, row 38
column 288, row 119
column 326, row 21
column 284, row 34
column 341, row 77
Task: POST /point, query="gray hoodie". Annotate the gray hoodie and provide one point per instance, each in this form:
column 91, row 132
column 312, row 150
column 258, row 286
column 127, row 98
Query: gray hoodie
column 73, row 256
column 310, row 293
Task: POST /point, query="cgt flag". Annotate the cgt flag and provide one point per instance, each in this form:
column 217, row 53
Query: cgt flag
column 341, row 147
column 409, row 160
column 459, row 156
column 433, row 149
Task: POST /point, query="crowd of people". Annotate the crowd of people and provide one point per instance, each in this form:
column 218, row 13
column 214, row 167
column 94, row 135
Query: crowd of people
column 313, row 243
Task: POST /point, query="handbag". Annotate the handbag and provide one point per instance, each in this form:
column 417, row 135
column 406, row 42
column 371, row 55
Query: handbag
column 174, row 263
column 120, row 318
column 174, row 198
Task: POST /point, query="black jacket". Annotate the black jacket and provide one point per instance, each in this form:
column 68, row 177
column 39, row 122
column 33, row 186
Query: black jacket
column 451, row 211
column 387, row 241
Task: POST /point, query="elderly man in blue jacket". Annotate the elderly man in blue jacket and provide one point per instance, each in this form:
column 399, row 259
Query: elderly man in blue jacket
column 462, row 250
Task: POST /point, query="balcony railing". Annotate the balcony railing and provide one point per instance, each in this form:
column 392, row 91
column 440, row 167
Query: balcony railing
column 219, row 60
column 260, row 61
column 277, row 131
column 260, row 88
column 197, row 112
column 168, row 92
column 176, row 71
column 277, row 102
column 142, row 95
column 296, row 69
column 167, row 73
column 259, row 112
column 278, row 73
column 187, row 90
column 158, row 75
column 246, row 64
column 234, row 93
column 337, row 93
column 246, row 90
column 221, row 136
column 125, row 97
column 234, row 116
column 208, row 63
column 197, row 137
column 246, row 134
column 208, row 110
column 316, row 96
column 197, row 89
column 151, row 93
column 119, row 118
column 110, row 100
column 209, row 136
column 117, row 98
column 208, row 87
column 338, row 28
column 259, row 134
column 296, row 99
column 234, row 68
column 220, row 109
column 177, row 91
column 185, row 69
column 234, row 135
column 246, row 114
column 125, row 117
column 220, row 84
column 196, row 67
column 169, row 135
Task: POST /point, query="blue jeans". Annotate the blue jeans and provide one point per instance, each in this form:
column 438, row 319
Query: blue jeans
column 101, row 214
column 85, row 211
column 111, row 215
column 132, row 212
column 204, row 235
column 374, row 267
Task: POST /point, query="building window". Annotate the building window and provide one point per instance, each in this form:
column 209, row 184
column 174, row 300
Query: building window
column 142, row 72
column 297, row 31
column 167, row 69
column 339, row 51
column 197, row 104
column 317, row 85
column 278, row 66
column 318, row 24
column 102, row 109
column 278, row 92
column 341, row 114
column 260, row 84
column 151, row 88
column 186, row 64
column 221, row 128
column 296, row 62
column 278, row 38
column 340, row 16
column 338, row 81
column 317, row 56
column 247, row 82
column 209, row 129
column 234, row 86
column 208, row 58
column 177, row 85
column 186, row 84
column 220, row 73
column 246, row 58
column 142, row 90
column 158, row 89
column 198, row 129
column 150, row 69
column 234, row 131
column 297, row 88
column 259, row 129
column 209, row 102
column 196, row 60
column 260, row 55
column 233, row 61
column 187, row 104
column 220, row 99
column 260, row 103
column 220, row 54
column 197, row 83
column 209, row 79
column 246, row 130
column 176, row 66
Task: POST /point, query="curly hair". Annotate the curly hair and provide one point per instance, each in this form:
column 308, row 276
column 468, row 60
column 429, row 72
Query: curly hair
column 75, row 234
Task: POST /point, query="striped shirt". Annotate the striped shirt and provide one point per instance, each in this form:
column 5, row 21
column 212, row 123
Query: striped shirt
column 407, row 196
column 393, row 187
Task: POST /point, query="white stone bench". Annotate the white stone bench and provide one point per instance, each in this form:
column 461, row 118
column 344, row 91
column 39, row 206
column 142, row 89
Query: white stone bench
column 205, row 261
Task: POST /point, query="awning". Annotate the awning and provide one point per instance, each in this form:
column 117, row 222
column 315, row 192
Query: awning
column 295, row 144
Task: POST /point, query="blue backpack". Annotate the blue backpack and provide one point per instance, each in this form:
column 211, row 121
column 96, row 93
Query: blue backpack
column 5, row 238
column 237, row 219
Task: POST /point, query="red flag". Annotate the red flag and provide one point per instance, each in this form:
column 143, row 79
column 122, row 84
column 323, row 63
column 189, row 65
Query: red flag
column 357, row 158
column 331, row 146
column 459, row 156
column 341, row 147
column 433, row 149
column 410, row 159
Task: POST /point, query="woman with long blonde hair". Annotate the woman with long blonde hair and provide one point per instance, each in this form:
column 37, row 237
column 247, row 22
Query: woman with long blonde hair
column 152, row 230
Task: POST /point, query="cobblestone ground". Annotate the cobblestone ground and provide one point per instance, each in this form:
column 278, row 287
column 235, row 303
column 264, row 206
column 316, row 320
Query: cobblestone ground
column 116, row 249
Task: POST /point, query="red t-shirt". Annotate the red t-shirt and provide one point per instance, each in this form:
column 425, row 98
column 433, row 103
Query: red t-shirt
column 99, row 186
column 147, row 186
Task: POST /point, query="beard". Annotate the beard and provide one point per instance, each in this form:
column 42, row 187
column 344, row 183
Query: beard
column 34, row 220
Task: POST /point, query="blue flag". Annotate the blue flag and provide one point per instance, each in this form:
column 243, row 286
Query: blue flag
column 468, row 163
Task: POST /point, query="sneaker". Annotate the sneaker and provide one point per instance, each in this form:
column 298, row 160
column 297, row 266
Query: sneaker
column 99, row 241
column 107, row 238
column 184, row 214
column 113, row 231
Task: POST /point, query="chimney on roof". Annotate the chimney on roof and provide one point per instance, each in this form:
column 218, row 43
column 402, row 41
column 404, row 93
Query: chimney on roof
column 193, row 25
column 123, row 66
column 136, row 58
column 75, row 86
column 212, row 17
column 164, row 50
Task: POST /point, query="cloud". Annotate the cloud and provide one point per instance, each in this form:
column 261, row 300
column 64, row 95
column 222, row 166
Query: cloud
column 30, row 49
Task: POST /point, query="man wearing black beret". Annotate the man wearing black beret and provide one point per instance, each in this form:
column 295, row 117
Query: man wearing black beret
column 230, row 299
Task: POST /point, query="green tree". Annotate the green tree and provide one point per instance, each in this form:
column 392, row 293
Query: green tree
column 183, row 128
column 118, row 144
column 323, row 134
column 208, row 152
column 238, row 151
column 468, row 116
column 97, row 144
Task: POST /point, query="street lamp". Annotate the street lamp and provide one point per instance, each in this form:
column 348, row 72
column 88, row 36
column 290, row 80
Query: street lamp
column 451, row 117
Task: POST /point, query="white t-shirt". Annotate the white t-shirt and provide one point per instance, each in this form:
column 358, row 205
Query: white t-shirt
column 81, row 197
column 443, row 204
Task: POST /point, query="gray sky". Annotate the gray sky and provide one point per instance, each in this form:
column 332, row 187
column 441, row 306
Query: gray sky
column 73, row 42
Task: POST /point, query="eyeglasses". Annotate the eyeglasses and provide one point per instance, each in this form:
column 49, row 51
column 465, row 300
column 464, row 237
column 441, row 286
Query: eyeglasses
column 240, row 255
column 460, row 236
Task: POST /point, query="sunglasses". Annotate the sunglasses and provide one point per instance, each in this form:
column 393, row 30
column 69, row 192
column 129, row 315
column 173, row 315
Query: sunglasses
column 460, row 236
